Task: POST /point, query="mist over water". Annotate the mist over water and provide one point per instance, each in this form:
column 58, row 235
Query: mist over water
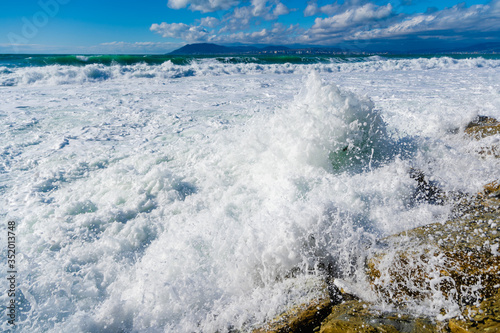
column 179, row 198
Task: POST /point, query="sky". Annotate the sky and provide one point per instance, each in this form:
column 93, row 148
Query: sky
column 160, row 26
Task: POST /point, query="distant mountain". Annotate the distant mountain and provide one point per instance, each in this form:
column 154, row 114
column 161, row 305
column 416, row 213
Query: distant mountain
column 214, row 49
column 483, row 48
column 208, row 48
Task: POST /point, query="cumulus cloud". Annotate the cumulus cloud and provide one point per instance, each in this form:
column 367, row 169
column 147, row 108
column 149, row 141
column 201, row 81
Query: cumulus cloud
column 311, row 8
column 269, row 10
column 457, row 20
column 495, row 6
column 257, row 21
column 352, row 17
column 210, row 22
column 329, row 9
column 245, row 17
column 346, row 23
column 202, row 5
column 259, row 7
column 278, row 34
column 191, row 33
column 280, row 9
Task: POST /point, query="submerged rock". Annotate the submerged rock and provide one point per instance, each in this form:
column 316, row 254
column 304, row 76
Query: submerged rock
column 427, row 190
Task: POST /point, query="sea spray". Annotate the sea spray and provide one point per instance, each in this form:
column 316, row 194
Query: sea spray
column 138, row 211
column 340, row 131
column 141, row 233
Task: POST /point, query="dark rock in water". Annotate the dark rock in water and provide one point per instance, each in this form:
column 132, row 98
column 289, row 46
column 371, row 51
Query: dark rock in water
column 426, row 191
column 458, row 259
column 482, row 127
column 481, row 121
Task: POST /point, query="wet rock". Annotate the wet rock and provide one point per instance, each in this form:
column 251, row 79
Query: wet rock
column 427, row 190
column 482, row 127
column 302, row 318
column 357, row 316
column 483, row 318
column 491, row 191
column 481, row 121
column 457, row 261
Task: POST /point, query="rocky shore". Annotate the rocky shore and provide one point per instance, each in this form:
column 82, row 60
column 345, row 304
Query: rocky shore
column 457, row 262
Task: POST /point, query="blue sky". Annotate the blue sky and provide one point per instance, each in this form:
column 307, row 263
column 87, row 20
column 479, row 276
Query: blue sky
column 159, row 26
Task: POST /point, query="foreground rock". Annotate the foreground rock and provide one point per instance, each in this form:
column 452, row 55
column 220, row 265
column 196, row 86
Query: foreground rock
column 456, row 263
column 482, row 127
column 356, row 316
column 483, row 318
column 304, row 317
column 458, row 260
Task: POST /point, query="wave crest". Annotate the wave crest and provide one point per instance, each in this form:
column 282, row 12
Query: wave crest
column 57, row 74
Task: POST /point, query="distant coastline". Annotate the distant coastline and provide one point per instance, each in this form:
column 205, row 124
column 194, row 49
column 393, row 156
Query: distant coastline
column 215, row 49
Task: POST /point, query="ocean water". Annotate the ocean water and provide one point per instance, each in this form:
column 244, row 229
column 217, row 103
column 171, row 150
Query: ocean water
column 170, row 194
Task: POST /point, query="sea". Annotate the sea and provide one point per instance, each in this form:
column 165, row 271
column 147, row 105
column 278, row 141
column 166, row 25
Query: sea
column 155, row 193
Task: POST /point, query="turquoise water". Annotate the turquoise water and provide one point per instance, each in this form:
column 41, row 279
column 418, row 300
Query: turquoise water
column 40, row 60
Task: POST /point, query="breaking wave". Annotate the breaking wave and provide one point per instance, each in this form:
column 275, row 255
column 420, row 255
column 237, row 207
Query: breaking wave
column 66, row 72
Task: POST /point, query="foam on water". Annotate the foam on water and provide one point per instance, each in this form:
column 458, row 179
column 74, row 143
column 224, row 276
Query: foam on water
column 58, row 74
column 139, row 212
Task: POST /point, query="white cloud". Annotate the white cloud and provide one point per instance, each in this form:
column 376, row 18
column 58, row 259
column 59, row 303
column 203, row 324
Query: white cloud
column 495, row 6
column 280, row 9
column 259, row 7
column 202, row 5
column 457, row 20
column 191, row 33
column 238, row 20
column 278, row 34
column 269, row 10
column 350, row 20
column 331, row 9
column 311, row 9
column 243, row 17
column 210, row 22
column 353, row 17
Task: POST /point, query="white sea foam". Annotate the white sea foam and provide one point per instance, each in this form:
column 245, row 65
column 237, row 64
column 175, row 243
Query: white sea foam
column 82, row 58
column 59, row 74
column 160, row 198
